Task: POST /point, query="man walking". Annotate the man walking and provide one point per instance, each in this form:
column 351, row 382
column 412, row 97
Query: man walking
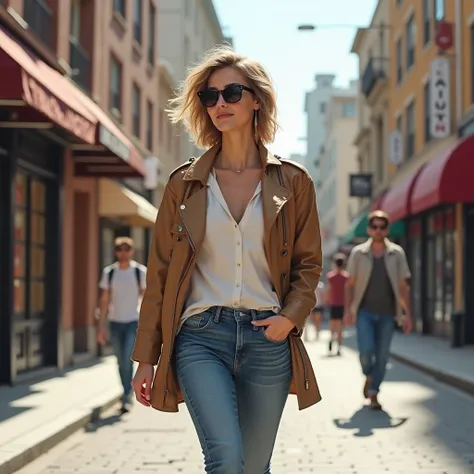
column 122, row 285
column 377, row 291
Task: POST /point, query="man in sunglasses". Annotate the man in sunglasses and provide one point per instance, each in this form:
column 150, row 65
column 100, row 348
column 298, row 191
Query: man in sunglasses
column 376, row 294
column 122, row 285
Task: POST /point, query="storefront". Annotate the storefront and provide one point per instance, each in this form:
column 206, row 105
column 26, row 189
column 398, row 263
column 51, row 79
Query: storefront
column 434, row 202
column 55, row 143
column 30, row 180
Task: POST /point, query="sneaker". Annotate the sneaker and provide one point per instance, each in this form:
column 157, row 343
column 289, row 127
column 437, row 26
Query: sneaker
column 374, row 403
column 366, row 387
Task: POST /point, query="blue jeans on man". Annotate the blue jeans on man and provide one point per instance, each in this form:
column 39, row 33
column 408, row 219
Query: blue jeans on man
column 374, row 336
column 122, row 336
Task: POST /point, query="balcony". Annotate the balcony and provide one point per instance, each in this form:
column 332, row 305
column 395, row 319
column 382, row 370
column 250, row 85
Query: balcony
column 80, row 64
column 40, row 20
column 374, row 77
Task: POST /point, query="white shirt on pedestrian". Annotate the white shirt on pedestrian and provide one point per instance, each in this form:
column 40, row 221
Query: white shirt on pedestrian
column 231, row 269
column 125, row 298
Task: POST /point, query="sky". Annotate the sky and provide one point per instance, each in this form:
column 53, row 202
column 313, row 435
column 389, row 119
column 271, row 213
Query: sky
column 266, row 30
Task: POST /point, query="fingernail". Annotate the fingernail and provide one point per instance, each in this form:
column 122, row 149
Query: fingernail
column 253, row 322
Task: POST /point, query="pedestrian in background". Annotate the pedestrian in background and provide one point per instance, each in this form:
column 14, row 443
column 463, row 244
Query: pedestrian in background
column 234, row 264
column 376, row 294
column 122, row 286
column 336, row 282
column 317, row 311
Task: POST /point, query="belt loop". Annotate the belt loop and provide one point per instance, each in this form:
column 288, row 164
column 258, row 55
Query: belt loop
column 254, row 318
column 217, row 313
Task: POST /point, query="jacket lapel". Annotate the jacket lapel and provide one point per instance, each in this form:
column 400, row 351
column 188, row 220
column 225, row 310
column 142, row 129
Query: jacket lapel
column 193, row 209
column 274, row 197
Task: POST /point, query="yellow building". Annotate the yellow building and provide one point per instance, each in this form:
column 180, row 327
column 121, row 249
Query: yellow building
column 428, row 180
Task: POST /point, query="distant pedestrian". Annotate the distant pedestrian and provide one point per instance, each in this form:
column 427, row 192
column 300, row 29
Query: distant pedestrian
column 234, row 264
column 336, row 282
column 122, row 285
column 377, row 292
column 317, row 311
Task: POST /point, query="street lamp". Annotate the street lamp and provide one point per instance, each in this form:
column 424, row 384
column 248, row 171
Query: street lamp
column 311, row 27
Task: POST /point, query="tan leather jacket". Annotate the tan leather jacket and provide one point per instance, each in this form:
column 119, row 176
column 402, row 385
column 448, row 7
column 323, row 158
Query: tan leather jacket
column 292, row 246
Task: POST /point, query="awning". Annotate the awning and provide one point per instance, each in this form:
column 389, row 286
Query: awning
column 448, row 178
column 358, row 229
column 25, row 78
column 397, row 200
column 100, row 148
column 376, row 204
column 119, row 202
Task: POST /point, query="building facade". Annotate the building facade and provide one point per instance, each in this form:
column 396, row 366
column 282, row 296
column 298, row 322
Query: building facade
column 428, row 187
column 371, row 45
column 187, row 29
column 338, row 159
column 315, row 107
column 79, row 115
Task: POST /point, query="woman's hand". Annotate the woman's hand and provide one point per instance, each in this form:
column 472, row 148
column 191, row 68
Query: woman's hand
column 141, row 383
column 277, row 327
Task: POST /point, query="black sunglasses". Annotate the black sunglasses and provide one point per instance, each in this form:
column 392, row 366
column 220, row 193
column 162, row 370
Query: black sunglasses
column 231, row 94
column 123, row 248
column 378, row 227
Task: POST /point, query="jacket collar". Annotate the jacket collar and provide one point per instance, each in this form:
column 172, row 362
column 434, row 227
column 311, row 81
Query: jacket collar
column 201, row 167
column 366, row 246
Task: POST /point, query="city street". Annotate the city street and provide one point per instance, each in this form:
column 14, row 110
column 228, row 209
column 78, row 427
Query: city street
column 427, row 428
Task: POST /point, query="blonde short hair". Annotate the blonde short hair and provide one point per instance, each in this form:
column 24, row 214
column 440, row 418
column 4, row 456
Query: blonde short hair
column 185, row 108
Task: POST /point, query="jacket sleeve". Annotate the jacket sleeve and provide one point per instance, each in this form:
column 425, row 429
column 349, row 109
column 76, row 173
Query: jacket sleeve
column 306, row 262
column 148, row 339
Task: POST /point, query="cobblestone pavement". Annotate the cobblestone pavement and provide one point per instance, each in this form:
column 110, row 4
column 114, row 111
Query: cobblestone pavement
column 427, row 428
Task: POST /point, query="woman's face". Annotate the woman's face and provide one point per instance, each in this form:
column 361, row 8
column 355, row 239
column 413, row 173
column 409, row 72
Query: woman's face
column 235, row 106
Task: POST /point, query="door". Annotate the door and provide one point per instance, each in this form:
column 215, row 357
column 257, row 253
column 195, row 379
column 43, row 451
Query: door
column 469, row 272
column 82, row 260
column 30, row 257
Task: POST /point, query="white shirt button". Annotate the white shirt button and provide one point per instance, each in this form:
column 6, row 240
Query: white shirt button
column 238, row 243
column 238, row 286
column 238, row 264
column 182, row 206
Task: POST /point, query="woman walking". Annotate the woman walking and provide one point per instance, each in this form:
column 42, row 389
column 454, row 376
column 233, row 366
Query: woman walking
column 234, row 264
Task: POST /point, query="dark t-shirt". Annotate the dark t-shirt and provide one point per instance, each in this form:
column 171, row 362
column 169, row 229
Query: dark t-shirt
column 379, row 297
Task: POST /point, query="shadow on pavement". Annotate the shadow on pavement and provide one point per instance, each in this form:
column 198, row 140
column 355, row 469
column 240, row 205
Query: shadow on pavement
column 98, row 422
column 365, row 421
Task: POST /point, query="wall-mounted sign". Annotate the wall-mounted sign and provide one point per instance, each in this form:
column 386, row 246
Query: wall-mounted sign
column 360, row 185
column 440, row 103
column 396, row 147
column 444, row 35
column 152, row 171
column 114, row 144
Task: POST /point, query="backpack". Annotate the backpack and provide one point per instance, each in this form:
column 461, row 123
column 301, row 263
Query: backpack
column 137, row 276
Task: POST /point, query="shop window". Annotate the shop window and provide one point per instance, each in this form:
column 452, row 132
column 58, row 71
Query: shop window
column 426, row 100
column 440, row 271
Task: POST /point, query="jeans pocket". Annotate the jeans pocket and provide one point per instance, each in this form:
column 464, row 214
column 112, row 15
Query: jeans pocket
column 198, row 322
column 273, row 341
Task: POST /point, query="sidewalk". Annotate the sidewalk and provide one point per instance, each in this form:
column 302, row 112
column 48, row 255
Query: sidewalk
column 34, row 418
column 434, row 356
column 37, row 416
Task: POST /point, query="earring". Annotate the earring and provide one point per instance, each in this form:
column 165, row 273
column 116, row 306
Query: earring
column 255, row 124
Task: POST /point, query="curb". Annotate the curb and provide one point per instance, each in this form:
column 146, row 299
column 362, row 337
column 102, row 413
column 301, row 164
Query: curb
column 458, row 382
column 28, row 453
